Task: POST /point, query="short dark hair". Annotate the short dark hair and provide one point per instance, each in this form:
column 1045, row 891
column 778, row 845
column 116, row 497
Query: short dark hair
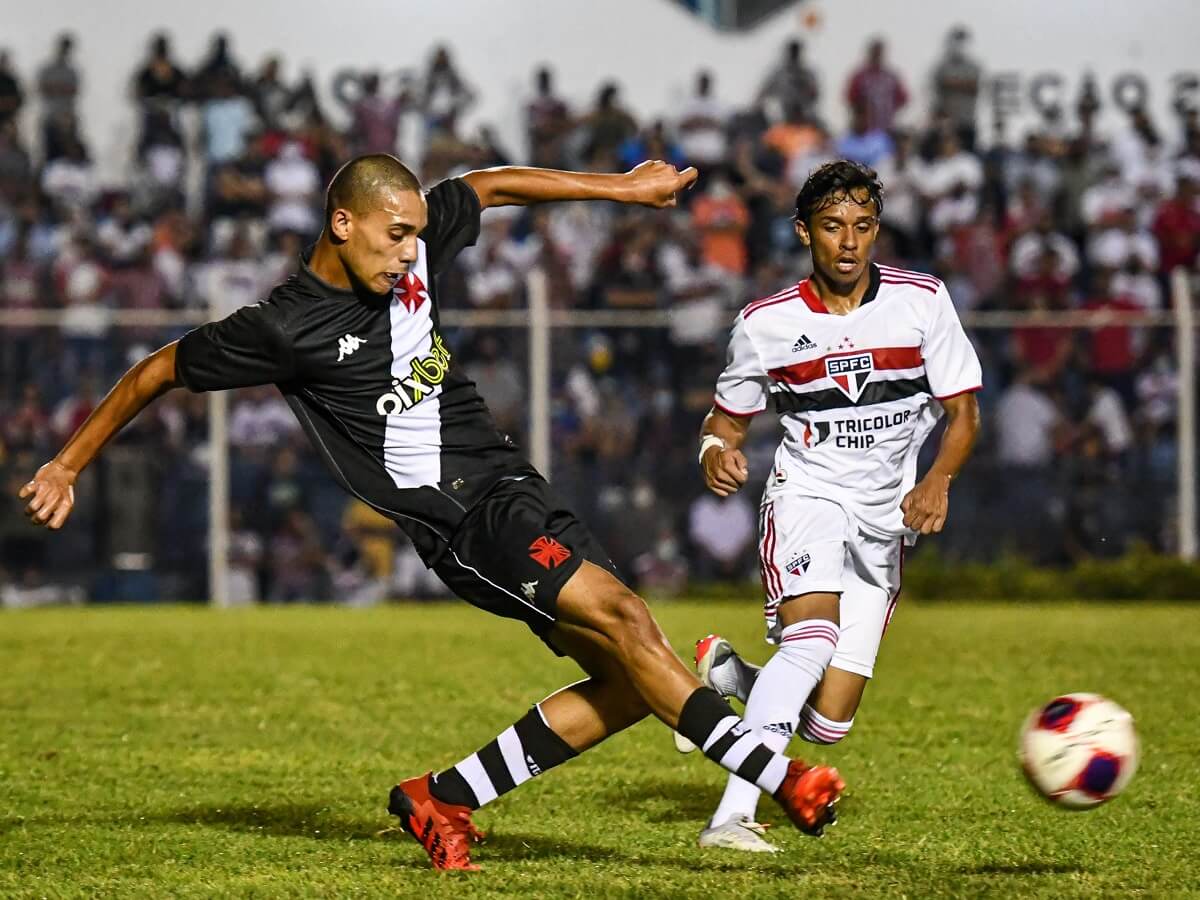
column 362, row 179
column 835, row 182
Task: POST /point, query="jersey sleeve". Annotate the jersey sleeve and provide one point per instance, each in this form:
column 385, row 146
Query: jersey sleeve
column 249, row 347
column 453, row 224
column 951, row 364
column 743, row 387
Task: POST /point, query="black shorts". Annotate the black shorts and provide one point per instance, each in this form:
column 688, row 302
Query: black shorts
column 515, row 550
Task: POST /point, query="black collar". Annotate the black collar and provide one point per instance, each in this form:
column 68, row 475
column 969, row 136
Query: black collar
column 872, row 286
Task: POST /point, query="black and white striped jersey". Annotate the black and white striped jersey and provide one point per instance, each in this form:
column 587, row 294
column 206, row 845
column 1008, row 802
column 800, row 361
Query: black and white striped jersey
column 372, row 382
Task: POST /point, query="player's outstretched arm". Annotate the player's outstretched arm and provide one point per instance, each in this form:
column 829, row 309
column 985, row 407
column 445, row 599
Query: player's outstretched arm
column 721, row 458
column 653, row 183
column 51, row 492
column 926, row 506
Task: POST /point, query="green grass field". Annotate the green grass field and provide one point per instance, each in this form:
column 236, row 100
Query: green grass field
column 182, row 752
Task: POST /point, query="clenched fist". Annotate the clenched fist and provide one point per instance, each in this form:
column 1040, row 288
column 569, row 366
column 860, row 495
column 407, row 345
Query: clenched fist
column 725, row 471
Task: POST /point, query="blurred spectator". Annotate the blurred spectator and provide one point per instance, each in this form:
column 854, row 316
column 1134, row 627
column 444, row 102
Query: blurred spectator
column 863, row 143
column 1112, row 356
column 373, row 537
column 652, row 143
column 162, row 159
column 904, row 174
column 1032, row 250
column 58, row 89
column 12, row 97
column 721, row 217
column 1027, row 422
column 547, row 123
column 951, row 184
column 956, row 81
column 160, row 83
column 70, row 180
column 607, row 126
column 791, row 89
column 374, row 116
column 499, row 381
column 228, row 119
column 245, row 563
column 218, row 68
column 702, row 126
column 724, row 530
column 1177, row 226
column 294, row 187
column 271, row 97
column 123, row 238
column 261, row 420
column 445, row 94
column 876, row 89
column 296, row 562
column 1106, row 411
column 27, row 427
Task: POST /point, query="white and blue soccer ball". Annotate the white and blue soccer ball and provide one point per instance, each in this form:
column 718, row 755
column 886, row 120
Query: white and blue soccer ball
column 1079, row 750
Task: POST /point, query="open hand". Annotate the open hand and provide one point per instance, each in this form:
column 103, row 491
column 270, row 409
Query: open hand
column 725, row 471
column 657, row 183
column 52, row 495
column 926, row 506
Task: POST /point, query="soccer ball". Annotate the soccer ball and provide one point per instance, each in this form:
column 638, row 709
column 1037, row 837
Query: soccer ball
column 1079, row 750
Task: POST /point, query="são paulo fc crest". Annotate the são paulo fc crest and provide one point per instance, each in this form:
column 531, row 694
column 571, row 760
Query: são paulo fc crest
column 799, row 564
column 850, row 373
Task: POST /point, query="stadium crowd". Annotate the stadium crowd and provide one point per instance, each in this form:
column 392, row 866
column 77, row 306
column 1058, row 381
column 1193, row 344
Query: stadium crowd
column 226, row 173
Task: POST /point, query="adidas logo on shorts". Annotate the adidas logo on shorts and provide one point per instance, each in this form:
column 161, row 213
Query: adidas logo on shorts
column 803, row 343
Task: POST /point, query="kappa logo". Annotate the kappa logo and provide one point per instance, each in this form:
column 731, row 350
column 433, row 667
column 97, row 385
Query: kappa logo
column 803, row 343
column 347, row 344
column 529, row 589
column 548, row 553
column 799, row 564
column 410, row 292
column 850, row 372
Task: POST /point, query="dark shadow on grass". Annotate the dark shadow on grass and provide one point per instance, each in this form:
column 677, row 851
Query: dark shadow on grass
column 1031, row 868
column 688, row 801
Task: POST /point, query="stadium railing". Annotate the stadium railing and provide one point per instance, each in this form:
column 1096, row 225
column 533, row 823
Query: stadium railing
column 540, row 320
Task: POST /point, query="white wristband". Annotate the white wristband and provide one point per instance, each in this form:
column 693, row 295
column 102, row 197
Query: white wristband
column 710, row 440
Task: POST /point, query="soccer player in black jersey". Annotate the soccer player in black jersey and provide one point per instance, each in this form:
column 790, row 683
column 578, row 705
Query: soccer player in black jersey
column 352, row 342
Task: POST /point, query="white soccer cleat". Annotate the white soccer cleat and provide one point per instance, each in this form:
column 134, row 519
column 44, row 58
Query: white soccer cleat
column 716, row 665
column 738, row 834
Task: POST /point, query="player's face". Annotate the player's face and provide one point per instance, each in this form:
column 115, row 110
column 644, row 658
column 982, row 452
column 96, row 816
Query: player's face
column 840, row 237
column 381, row 245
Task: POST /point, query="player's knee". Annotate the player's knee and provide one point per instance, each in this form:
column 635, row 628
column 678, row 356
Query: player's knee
column 626, row 621
column 818, row 728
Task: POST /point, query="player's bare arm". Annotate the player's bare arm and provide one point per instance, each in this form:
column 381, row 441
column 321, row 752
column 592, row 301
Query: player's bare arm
column 653, row 183
column 721, row 458
column 51, row 492
column 926, row 506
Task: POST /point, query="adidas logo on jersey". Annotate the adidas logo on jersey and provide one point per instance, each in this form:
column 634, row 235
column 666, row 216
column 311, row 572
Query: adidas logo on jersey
column 803, row 343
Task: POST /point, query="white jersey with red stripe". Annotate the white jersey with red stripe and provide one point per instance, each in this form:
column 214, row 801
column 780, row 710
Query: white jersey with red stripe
column 857, row 394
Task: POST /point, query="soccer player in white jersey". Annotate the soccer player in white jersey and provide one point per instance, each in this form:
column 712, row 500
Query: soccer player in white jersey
column 860, row 361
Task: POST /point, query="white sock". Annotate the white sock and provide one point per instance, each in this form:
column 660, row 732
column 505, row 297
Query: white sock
column 817, row 729
column 773, row 708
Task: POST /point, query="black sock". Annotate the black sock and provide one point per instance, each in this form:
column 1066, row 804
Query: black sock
column 711, row 724
column 520, row 752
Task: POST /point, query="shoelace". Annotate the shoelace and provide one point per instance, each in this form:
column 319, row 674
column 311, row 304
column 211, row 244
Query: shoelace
column 759, row 828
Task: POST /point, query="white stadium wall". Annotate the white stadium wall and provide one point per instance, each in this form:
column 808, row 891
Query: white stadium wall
column 651, row 47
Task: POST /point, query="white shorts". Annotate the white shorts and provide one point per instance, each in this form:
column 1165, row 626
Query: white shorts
column 809, row 545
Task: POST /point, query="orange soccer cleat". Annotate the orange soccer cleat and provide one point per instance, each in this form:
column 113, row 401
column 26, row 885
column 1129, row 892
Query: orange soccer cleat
column 445, row 830
column 809, row 795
